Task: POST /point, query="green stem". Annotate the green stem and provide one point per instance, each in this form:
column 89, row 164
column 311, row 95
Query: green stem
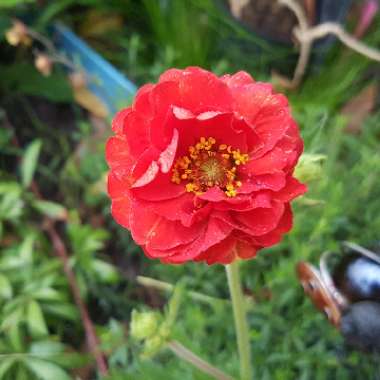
column 241, row 326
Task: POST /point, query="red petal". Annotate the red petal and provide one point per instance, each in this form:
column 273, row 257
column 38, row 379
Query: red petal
column 117, row 152
column 291, row 190
column 220, row 253
column 272, row 162
column 117, row 185
column 259, row 221
column 215, row 233
column 121, row 209
column 275, row 182
column 148, row 176
column 245, row 250
column 136, row 129
column 118, row 120
column 167, row 234
column 159, row 189
column 167, row 156
column 200, row 90
column 238, row 79
column 142, row 102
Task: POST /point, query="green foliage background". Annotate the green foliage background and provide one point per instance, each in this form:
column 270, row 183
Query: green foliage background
column 41, row 335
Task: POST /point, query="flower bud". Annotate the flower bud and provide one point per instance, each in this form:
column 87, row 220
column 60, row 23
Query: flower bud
column 152, row 346
column 309, row 167
column 143, row 324
column 43, row 64
column 18, row 34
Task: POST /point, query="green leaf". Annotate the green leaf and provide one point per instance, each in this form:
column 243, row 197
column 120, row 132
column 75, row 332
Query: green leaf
column 105, row 271
column 35, row 319
column 26, row 248
column 13, row 3
column 5, row 366
column 63, row 310
column 46, row 347
column 51, row 209
column 25, row 79
column 48, row 294
column 46, row 370
column 29, row 162
column 5, row 288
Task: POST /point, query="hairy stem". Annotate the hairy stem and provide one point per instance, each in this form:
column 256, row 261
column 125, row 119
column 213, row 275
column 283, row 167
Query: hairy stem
column 189, row 356
column 240, row 316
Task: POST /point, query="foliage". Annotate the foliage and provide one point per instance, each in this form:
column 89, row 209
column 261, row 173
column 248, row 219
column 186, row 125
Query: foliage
column 41, row 334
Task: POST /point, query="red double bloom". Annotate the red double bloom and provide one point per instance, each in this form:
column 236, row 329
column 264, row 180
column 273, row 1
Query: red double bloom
column 201, row 167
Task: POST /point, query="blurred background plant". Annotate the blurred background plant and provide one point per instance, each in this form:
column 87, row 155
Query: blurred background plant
column 49, row 142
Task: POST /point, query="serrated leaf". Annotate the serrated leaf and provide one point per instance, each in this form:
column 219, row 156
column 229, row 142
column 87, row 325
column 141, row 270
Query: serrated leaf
column 46, row 370
column 35, row 319
column 29, row 162
column 5, row 287
column 51, row 209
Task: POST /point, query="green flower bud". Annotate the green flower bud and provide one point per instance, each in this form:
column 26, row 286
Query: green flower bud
column 309, row 167
column 152, row 346
column 143, row 324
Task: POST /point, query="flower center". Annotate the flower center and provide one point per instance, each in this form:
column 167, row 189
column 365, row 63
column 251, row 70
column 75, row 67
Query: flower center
column 208, row 165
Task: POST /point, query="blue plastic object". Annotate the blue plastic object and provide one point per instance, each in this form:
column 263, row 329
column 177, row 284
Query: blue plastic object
column 106, row 82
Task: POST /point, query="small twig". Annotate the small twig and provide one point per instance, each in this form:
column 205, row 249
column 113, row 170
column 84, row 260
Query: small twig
column 326, row 28
column 61, row 252
column 189, row 356
column 41, row 39
column 306, row 35
column 305, row 45
column 89, row 328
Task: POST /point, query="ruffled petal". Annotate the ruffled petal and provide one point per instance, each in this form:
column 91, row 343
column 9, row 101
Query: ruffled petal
column 199, row 90
column 121, row 210
column 161, row 188
column 118, row 120
column 238, row 79
column 291, row 190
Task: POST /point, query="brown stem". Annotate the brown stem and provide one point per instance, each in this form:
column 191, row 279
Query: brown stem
column 91, row 338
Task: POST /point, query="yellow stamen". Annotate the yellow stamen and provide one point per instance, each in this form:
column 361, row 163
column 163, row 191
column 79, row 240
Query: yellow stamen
column 207, row 166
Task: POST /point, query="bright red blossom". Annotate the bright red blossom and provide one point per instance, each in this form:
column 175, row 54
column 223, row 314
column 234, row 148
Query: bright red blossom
column 201, row 167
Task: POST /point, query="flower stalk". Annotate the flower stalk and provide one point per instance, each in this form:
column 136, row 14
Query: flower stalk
column 189, row 356
column 240, row 317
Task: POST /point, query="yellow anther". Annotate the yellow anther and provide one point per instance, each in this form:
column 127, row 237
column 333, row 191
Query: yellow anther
column 207, row 166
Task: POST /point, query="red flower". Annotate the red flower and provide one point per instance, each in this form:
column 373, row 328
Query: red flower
column 201, row 167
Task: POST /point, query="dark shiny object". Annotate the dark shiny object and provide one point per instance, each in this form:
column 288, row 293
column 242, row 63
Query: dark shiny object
column 360, row 326
column 358, row 278
column 346, row 288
